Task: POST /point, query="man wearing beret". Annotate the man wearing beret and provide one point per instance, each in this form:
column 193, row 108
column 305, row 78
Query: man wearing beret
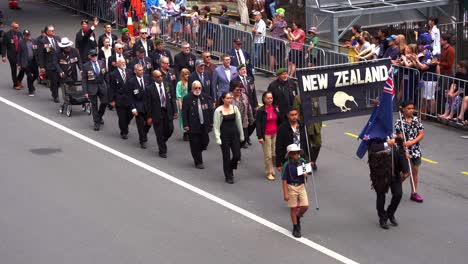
column 127, row 43
column 283, row 90
column 158, row 53
column 94, row 86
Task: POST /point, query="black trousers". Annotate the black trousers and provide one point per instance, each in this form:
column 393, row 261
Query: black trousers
column 163, row 130
column 125, row 116
column 32, row 73
column 53, row 78
column 198, row 142
column 16, row 77
column 230, row 144
column 142, row 127
column 397, row 193
column 98, row 112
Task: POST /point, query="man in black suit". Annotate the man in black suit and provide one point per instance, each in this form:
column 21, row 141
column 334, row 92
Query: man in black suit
column 136, row 87
column 108, row 34
column 119, row 97
column 144, row 42
column 168, row 73
column 119, row 54
column 184, row 59
column 142, row 60
column 27, row 59
column 48, row 60
column 197, row 116
column 94, row 86
column 160, row 52
column 69, row 61
column 240, row 56
column 161, row 110
column 85, row 39
column 10, row 47
column 201, row 75
column 248, row 87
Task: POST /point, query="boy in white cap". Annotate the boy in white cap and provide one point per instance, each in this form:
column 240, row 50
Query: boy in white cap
column 294, row 191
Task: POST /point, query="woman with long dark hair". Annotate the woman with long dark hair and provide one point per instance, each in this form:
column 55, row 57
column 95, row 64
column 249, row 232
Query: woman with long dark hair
column 227, row 126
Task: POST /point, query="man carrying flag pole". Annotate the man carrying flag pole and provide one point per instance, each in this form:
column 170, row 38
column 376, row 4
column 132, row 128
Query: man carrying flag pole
column 387, row 162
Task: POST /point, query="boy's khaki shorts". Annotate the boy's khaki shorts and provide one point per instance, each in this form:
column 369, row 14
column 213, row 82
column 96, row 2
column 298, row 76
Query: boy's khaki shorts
column 297, row 196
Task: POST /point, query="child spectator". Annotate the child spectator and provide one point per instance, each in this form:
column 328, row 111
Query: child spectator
column 294, row 191
column 456, row 92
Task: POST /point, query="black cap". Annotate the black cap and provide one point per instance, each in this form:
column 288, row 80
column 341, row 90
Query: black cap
column 141, row 49
column 26, row 32
column 92, row 52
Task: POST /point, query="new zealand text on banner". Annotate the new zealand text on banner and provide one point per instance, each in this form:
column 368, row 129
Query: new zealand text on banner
column 347, row 90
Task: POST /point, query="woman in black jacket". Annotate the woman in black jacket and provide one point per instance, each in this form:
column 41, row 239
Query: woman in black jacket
column 268, row 121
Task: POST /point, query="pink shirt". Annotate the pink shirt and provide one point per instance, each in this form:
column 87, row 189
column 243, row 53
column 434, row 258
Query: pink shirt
column 271, row 127
column 298, row 44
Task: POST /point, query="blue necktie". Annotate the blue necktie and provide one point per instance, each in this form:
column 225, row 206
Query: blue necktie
column 96, row 68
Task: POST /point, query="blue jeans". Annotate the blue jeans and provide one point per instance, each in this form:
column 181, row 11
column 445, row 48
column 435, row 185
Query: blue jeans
column 272, row 7
column 256, row 60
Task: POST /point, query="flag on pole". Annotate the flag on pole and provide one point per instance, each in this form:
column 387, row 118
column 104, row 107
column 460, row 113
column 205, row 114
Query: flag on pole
column 380, row 124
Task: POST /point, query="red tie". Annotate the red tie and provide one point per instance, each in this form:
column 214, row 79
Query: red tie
column 15, row 40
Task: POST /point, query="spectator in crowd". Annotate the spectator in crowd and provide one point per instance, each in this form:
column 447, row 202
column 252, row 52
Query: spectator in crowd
column 27, row 59
column 223, row 76
column 283, row 90
column 289, row 132
column 383, row 35
column 447, row 56
column 48, row 60
column 400, row 41
column 296, row 55
column 181, row 92
column 177, row 25
column 314, row 130
column 240, row 56
column 158, row 52
column 127, row 43
column 195, row 24
column 393, row 50
column 144, row 42
column 209, row 65
column 119, row 97
column 209, row 29
column 184, row 59
column 435, row 35
column 411, row 130
column 10, row 50
column 353, row 44
column 94, row 86
column 372, row 51
column 227, row 126
column 363, row 42
column 427, row 68
column 276, row 47
column 294, row 191
column 312, row 42
column 259, row 32
column 456, row 93
column 85, row 39
column 161, row 110
column 267, row 123
column 270, row 6
column 141, row 59
column 204, row 77
column 407, row 91
column 136, row 88
column 223, row 18
column 197, row 115
column 107, row 33
column 241, row 101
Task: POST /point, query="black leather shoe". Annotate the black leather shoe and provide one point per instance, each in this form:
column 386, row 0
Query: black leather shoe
column 56, row 100
column 393, row 220
column 143, row 145
column 96, row 126
column 230, row 180
column 200, row 166
column 186, row 136
column 101, row 121
column 248, row 142
column 296, row 232
column 124, row 136
column 163, row 155
column 245, row 146
column 383, row 223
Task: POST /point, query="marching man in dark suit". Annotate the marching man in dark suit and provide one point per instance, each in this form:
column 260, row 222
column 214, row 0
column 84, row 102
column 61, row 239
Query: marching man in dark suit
column 136, row 87
column 161, row 110
column 48, row 60
column 27, row 59
column 94, row 86
column 142, row 60
column 197, row 116
column 119, row 54
column 10, row 48
column 204, row 77
column 144, row 42
column 119, row 96
column 160, row 52
column 240, row 56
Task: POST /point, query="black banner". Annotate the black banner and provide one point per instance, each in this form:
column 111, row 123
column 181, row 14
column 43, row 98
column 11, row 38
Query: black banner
column 343, row 90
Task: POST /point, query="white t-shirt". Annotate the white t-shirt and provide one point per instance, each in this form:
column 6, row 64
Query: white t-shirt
column 435, row 35
column 375, row 49
column 261, row 27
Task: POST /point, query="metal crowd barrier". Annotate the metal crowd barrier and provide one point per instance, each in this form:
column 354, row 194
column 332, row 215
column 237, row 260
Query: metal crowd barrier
column 107, row 10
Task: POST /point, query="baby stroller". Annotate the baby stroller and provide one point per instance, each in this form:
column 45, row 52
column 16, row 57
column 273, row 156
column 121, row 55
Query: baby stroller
column 75, row 97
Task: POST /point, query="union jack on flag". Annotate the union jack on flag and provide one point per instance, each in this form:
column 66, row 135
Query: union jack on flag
column 388, row 87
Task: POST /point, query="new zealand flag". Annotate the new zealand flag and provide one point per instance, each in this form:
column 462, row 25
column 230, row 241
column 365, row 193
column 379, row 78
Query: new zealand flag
column 380, row 124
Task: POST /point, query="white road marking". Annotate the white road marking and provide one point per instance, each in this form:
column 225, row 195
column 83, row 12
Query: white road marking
column 186, row 185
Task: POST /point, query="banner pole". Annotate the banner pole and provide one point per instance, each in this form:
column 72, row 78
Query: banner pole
column 407, row 157
column 312, row 175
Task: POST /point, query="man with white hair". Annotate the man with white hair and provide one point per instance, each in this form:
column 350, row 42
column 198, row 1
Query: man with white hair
column 119, row 54
column 118, row 95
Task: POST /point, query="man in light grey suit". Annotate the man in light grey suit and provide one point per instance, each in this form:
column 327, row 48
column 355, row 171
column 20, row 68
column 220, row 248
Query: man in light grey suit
column 222, row 76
